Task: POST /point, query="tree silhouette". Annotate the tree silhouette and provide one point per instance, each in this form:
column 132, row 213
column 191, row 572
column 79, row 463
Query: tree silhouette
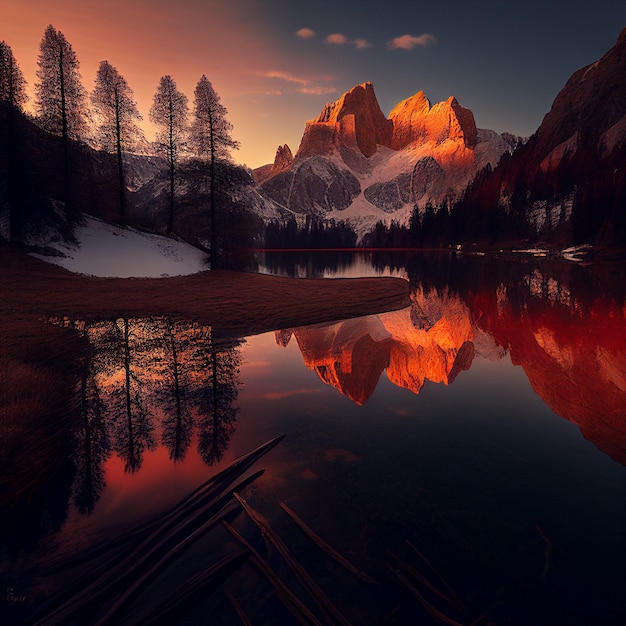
column 132, row 430
column 117, row 117
column 13, row 92
column 210, row 139
column 12, row 83
column 60, row 96
column 91, row 440
column 174, row 385
column 169, row 112
column 216, row 423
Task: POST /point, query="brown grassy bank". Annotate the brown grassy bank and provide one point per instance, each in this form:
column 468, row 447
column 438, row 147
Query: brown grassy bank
column 232, row 302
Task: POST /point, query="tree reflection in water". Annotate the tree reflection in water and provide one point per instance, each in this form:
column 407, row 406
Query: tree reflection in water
column 144, row 381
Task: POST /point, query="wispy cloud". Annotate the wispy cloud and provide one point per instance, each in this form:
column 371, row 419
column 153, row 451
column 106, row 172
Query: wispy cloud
column 290, row 78
column 318, row 90
column 303, row 85
column 409, row 42
column 362, row 43
column 305, row 33
column 339, row 39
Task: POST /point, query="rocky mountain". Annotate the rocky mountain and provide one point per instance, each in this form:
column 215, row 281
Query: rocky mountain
column 355, row 164
column 568, row 182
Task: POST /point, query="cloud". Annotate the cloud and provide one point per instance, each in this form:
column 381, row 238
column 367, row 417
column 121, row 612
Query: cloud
column 336, row 39
column 304, row 85
column 408, row 42
column 362, row 43
column 289, row 78
column 318, row 90
column 305, row 33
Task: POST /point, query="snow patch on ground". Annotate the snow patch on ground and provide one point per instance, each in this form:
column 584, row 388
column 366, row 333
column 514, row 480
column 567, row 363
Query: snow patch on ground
column 109, row 251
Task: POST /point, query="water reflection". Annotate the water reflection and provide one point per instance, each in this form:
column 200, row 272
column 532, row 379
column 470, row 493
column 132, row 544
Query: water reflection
column 431, row 340
column 444, row 443
column 572, row 348
column 146, row 382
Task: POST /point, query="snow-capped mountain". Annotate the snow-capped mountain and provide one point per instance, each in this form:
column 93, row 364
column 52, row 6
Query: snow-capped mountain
column 355, row 164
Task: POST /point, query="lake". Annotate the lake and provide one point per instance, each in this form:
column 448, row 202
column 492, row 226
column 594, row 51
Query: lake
column 466, row 455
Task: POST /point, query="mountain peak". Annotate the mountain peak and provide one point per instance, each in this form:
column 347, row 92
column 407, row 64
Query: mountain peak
column 355, row 120
column 414, row 119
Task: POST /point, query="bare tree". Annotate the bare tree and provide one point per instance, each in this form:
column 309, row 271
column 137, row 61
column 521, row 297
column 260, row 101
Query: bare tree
column 169, row 112
column 116, row 116
column 60, row 95
column 210, row 139
column 12, row 83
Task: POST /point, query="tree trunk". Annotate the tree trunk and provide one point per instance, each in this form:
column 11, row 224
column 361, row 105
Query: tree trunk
column 69, row 209
column 120, row 164
column 213, row 257
column 170, row 222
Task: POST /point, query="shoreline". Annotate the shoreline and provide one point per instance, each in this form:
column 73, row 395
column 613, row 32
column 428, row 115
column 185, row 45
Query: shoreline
column 235, row 303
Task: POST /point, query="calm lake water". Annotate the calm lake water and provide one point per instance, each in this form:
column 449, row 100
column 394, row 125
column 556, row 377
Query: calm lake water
column 467, row 454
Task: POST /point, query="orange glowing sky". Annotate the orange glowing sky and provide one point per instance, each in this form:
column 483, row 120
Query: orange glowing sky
column 275, row 63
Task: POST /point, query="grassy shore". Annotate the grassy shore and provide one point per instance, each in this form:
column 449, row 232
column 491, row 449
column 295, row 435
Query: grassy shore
column 235, row 303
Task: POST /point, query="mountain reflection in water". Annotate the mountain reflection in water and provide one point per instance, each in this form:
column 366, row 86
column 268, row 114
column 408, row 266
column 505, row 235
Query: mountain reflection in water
column 446, row 453
column 573, row 354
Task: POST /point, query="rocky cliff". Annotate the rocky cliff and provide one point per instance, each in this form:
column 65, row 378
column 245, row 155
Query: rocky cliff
column 354, row 121
column 357, row 165
column 568, row 182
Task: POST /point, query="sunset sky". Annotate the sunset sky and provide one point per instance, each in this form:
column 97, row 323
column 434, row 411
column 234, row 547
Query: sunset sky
column 275, row 63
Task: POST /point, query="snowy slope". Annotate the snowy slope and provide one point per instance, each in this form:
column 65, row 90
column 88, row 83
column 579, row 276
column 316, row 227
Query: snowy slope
column 109, row 251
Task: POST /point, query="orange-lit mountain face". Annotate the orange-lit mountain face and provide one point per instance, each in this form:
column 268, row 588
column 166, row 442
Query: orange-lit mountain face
column 574, row 355
column 355, row 160
column 430, row 340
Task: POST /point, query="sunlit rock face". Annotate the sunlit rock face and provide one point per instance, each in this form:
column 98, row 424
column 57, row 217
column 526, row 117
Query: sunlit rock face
column 355, row 120
column 414, row 119
column 282, row 162
column 574, row 356
column 418, row 154
column 430, row 340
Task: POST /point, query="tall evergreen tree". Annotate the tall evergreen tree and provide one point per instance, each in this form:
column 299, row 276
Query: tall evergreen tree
column 12, row 83
column 169, row 112
column 13, row 92
column 116, row 116
column 60, row 95
column 210, row 139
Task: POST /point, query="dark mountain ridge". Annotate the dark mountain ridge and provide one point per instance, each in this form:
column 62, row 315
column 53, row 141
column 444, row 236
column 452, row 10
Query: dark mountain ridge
column 568, row 181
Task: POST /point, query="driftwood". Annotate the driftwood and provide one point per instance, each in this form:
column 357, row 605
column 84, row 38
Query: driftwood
column 325, row 547
column 169, row 611
column 295, row 606
column 319, row 597
column 240, row 612
column 154, row 545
